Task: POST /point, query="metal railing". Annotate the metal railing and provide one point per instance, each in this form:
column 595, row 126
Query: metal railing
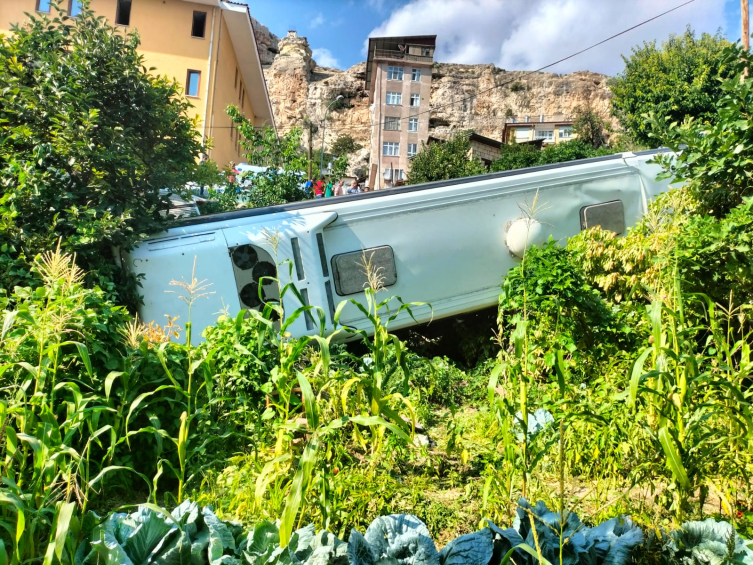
column 402, row 55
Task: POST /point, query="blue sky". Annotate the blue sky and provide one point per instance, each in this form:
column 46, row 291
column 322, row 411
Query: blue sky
column 513, row 34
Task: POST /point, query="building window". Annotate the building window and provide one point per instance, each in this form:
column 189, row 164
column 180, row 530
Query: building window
column 243, row 97
column 392, row 124
column 394, row 174
column 199, row 25
column 123, row 13
column 235, row 84
column 522, row 134
column 192, row 83
column 546, row 134
column 394, row 73
column 394, row 98
column 426, row 51
column 566, row 132
column 412, row 149
column 391, row 149
column 415, row 76
column 232, row 130
column 43, row 6
column 240, row 93
column 74, row 8
column 415, row 100
column 412, row 124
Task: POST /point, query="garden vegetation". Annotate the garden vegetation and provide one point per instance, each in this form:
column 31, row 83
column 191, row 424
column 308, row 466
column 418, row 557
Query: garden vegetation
column 612, row 424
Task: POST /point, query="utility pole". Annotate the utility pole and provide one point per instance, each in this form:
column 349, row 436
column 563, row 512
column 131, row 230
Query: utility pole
column 311, row 134
column 745, row 32
column 324, row 129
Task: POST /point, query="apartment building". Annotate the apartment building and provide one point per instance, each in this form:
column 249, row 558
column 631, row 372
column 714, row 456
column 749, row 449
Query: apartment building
column 398, row 78
column 208, row 46
column 548, row 129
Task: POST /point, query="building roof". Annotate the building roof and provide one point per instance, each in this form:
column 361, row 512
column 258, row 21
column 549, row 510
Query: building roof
column 535, row 123
column 393, row 44
column 237, row 17
column 472, row 137
column 485, row 140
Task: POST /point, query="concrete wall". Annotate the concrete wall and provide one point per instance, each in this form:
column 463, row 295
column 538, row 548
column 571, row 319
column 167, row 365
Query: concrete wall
column 164, row 28
column 404, row 111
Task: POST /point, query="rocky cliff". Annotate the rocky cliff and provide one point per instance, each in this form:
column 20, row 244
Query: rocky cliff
column 266, row 42
column 477, row 97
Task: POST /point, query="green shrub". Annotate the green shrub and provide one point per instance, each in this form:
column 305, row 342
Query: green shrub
column 677, row 80
column 440, row 381
column 517, row 156
column 89, row 139
column 560, row 309
column 714, row 156
column 444, row 160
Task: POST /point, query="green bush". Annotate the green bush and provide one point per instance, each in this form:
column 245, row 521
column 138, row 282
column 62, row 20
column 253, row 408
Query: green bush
column 88, row 140
column 517, row 156
column 561, row 311
column 444, row 160
column 715, row 157
column 714, row 255
column 678, row 80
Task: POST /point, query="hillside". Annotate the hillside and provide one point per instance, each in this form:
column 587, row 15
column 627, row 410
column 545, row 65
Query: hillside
column 301, row 89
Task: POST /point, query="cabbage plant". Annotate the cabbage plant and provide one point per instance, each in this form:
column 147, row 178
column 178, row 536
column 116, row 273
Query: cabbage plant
column 609, row 543
column 707, row 542
column 187, row 535
column 405, row 540
column 191, row 535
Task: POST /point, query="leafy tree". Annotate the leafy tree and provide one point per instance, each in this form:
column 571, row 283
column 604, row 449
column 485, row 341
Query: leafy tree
column 590, row 127
column 87, row 140
column 344, row 145
column 446, row 160
column 716, row 157
column 518, row 156
column 282, row 155
column 677, row 80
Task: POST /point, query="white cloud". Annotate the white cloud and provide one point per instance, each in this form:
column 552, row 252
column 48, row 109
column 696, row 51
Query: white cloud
column 324, row 58
column 528, row 34
column 317, row 21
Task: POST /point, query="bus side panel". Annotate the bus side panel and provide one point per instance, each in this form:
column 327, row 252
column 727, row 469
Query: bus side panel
column 172, row 259
column 454, row 256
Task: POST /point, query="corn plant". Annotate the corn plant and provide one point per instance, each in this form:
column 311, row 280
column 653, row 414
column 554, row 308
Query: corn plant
column 686, row 397
column 50, row 426
column 384, row 374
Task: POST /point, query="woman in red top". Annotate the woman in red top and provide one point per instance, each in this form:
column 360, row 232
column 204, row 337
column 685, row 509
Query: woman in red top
column 319, row 189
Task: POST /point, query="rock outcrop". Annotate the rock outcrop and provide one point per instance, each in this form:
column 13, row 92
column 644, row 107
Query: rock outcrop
column 476, row 97
column 266, row 42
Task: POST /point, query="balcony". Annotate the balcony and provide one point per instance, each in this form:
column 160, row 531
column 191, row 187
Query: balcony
column 402, row 56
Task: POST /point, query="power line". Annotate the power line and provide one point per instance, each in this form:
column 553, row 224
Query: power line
column 472, row 96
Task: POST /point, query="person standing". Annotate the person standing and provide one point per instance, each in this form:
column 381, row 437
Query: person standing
column 318, row 188
column 328, row 191
column 309, row 187
column 340, row 188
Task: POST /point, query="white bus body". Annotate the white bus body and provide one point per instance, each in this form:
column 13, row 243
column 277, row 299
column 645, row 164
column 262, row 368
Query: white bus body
column 441, row 243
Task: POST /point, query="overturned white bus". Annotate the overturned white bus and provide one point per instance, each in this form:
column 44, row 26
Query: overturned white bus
column 447, row 244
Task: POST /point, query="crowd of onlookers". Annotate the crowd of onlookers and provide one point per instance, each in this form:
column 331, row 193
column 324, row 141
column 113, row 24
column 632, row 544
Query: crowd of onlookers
column 321, row 189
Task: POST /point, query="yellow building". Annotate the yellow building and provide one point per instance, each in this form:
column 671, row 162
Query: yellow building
column 544, row 129
column 208, row 46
